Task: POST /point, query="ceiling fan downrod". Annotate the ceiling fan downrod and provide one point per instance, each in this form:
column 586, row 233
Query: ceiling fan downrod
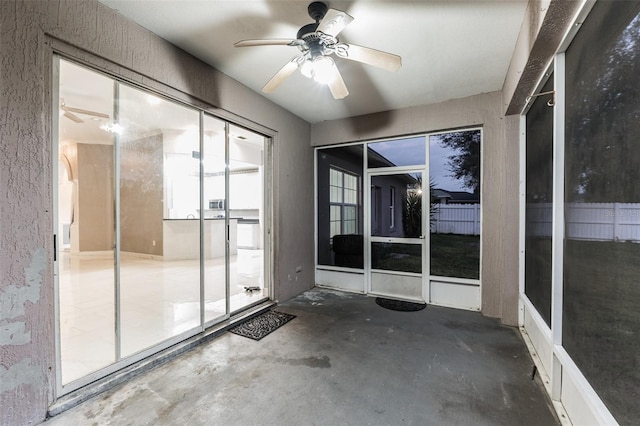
column 317, row 10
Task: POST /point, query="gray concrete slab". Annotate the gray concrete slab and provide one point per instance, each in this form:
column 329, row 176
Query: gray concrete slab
column 343, row 361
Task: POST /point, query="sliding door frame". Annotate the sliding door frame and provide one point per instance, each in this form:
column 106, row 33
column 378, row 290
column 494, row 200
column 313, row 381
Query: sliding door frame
column 62, row 53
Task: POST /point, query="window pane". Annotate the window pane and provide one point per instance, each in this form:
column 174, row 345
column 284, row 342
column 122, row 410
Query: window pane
column 349, row 227
column 399, row 152
column 350, row 182
column 350, row 196
column 350, row 213
column 335, row 229
column 335, row 249
column 539, row 196
column 335, row 178
column 454, row 212
column 336, row 195
column 335, row 213
column 396, row 257
column 601, row 297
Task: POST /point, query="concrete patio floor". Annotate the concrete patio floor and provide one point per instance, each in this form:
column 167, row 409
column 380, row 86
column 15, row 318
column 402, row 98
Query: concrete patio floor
column 343, row 361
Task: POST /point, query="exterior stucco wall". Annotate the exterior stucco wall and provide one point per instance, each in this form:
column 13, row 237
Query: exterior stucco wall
column 499, row 171
column 89, row 32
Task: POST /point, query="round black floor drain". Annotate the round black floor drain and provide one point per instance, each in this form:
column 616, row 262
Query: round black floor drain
column 400, row 305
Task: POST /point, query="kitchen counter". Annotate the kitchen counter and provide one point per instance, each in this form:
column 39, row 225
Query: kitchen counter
column 181, row 238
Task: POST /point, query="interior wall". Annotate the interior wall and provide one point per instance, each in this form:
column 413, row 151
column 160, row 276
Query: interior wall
column 94, row 215
column 88, row 31
column 499, row 171
column 142, row 195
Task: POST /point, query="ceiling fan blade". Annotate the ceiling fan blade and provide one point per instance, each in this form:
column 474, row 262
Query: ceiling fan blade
column 336, row 84
column 269, row 42
column 334, row 21
column 72, row 117
column 366, row 55
column 85, row 112
column 281, row 76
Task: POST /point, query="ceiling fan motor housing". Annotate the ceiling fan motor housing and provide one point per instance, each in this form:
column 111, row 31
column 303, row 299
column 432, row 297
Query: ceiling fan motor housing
column 306, row 30
column 317, row 10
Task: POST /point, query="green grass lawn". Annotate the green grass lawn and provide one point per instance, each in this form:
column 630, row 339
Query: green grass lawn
column 451, row 256
column 455, row 255
column 601, row 320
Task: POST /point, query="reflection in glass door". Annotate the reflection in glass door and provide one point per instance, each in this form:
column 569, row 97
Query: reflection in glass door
column 397, row 239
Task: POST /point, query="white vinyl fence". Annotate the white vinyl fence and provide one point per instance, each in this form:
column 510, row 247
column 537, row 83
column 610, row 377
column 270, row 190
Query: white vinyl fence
column 584, row 221
column 589, row 221
column 461, row 219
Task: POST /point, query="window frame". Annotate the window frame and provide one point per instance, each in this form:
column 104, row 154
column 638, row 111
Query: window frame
column 342, row 204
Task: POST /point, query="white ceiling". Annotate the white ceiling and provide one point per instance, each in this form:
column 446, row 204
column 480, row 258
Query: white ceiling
column 450, row 49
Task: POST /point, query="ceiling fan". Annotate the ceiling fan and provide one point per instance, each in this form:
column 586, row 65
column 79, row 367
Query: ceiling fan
column 69, row 112
column 317, row 42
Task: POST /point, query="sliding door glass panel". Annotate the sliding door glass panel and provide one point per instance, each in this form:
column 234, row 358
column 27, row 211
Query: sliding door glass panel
column 159, row 226
column 246, row 219
column 340, row 221
column 86, row 230
column 214, row 166
column 539, row 197
column 454, row 211
column 601, row 295
column 399, row 152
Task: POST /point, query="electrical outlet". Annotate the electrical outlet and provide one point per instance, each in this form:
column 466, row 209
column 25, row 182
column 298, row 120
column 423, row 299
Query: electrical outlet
column 154, row 242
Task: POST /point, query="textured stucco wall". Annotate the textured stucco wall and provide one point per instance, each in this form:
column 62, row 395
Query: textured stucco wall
column 499, row 165
column 89, row 32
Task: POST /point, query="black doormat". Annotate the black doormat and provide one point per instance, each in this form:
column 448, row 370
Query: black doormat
column 400, row 305
column 257, row 327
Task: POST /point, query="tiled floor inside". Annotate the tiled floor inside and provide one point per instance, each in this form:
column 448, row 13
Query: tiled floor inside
column 159, row 300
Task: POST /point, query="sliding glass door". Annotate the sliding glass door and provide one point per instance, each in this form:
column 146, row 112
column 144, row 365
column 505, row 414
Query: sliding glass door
column 162, row 223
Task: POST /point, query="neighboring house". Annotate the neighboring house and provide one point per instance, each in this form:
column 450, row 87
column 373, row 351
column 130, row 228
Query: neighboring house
column 454, row 197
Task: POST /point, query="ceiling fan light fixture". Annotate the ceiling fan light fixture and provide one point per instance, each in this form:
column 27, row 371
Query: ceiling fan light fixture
column 306, row 68
column 323, row 69
column 112, row 128
column 317, row 41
